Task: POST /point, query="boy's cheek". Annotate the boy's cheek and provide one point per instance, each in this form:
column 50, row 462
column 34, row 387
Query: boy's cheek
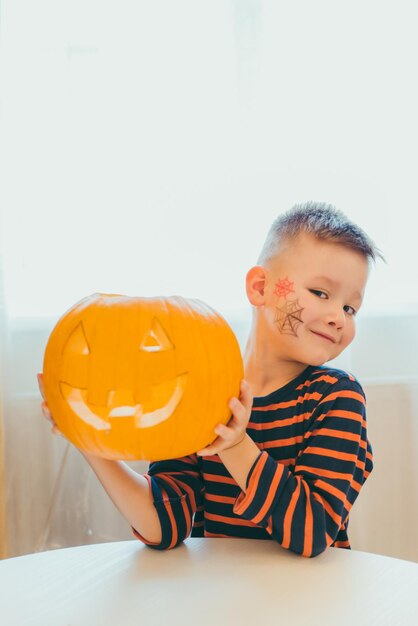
column 346, row 340
column 350, row 336
column 284, row 288
column 288, row 318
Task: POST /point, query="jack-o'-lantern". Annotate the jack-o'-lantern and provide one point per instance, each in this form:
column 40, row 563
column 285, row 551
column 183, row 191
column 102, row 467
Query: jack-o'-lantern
column 141, row 378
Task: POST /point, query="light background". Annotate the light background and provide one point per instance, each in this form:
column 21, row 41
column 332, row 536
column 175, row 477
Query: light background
column 148, row 146
column 145, row 149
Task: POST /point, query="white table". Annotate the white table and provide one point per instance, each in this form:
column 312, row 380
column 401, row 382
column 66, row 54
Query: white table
column 213, row 582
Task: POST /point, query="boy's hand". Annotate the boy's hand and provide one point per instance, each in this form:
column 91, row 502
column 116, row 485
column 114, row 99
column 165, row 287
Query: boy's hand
column 44, row 407
column 233, row 433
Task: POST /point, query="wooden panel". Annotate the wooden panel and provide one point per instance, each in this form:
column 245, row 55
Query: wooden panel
column 384, row 520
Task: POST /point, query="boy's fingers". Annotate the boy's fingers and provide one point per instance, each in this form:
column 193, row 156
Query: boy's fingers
column 47, row 413
column 226, row 436
column 222, row 430
column 210, row 449
column 246, row 395
column 245, row 401
column 239, row 411
column 45, row 410
column 41, row 383
column 56, row 431
column 54, row 428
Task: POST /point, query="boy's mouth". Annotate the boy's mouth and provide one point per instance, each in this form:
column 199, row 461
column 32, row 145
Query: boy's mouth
column 324, row 336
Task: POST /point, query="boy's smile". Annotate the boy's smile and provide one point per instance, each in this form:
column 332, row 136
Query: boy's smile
column 311, row 292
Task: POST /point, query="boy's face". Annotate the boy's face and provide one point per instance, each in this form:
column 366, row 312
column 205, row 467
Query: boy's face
column 312, row 292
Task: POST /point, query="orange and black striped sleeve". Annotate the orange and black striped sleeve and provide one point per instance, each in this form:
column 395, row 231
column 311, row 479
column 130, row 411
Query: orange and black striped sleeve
column 305, row 505
column 177, row 489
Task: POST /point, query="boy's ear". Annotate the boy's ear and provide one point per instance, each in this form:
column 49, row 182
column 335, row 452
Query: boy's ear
column 255, row 283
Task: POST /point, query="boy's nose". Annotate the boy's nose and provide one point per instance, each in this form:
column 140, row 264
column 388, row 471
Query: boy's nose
column 336, row 317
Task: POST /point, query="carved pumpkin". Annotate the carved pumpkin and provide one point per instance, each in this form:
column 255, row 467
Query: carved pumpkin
column 141, row 378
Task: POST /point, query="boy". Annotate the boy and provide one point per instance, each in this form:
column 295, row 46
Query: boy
column 290, row 462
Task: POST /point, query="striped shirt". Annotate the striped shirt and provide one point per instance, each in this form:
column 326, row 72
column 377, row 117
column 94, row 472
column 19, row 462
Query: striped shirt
column 314, row 458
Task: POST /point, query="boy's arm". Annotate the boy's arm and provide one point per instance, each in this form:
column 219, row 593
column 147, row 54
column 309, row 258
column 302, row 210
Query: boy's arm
column 177, row 489
column 130, row 493
column 304, row 506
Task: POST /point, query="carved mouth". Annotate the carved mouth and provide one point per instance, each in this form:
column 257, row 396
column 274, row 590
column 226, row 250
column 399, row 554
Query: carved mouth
column 143, row 415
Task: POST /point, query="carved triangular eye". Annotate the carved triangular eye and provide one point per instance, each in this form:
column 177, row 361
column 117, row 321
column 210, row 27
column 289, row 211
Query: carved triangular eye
column 156, row 339
column 77, row 342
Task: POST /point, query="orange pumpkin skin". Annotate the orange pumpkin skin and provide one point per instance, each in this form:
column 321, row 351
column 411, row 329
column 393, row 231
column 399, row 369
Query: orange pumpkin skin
column 141, row 378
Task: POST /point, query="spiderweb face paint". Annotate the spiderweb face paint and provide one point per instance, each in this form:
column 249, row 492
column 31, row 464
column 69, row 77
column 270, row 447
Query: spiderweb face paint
column 289, row 317
column 283, row 287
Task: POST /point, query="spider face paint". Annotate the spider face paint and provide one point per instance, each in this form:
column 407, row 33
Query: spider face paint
column 289, row 317
column 283, row 287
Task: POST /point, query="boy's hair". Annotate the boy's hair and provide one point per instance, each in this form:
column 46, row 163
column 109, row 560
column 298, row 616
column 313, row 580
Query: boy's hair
column 323, row 221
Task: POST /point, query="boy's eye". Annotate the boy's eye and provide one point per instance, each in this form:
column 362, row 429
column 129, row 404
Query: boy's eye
column 349, row 309
column 324, row 296
column 319, row 293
